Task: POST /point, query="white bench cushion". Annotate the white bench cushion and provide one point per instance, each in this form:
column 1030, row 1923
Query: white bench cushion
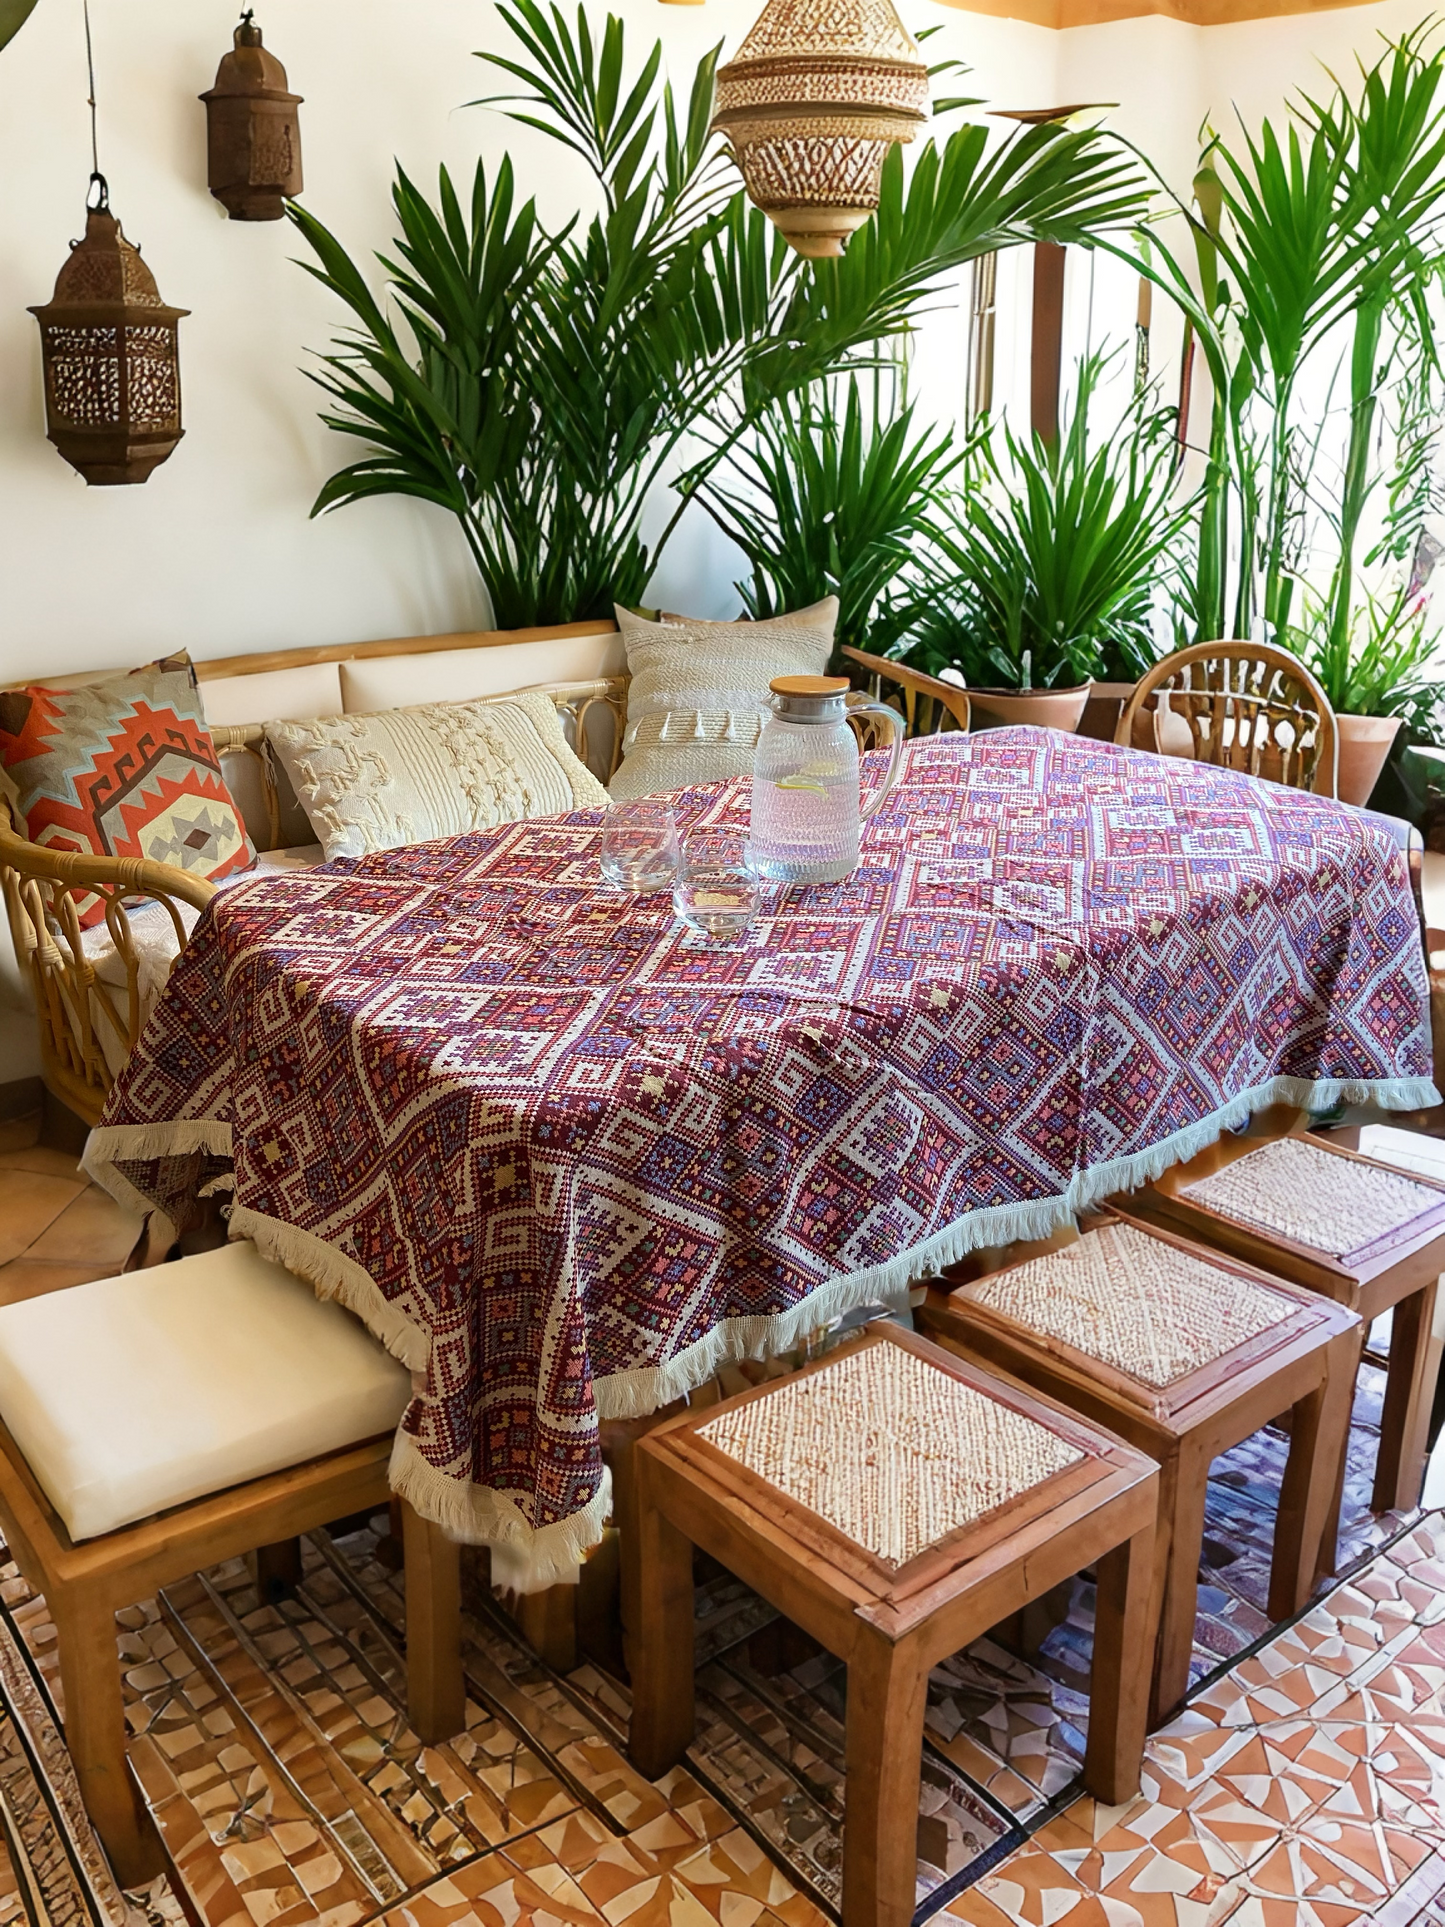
column 273, row 695
column 461, row 675
column 133, row 1394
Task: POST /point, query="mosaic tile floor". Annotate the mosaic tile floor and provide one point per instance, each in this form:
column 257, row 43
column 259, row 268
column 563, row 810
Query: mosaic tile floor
column 1301, row 1785
column 1304, row 1783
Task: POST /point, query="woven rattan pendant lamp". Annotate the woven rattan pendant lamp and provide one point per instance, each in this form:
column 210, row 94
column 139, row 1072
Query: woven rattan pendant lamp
column 818, row 93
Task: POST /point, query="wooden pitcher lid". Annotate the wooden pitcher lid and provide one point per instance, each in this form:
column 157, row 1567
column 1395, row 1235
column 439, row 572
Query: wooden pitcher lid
column 809, row 685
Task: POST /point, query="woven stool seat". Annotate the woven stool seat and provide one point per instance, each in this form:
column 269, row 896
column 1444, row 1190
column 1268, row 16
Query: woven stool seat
column 1147, row 1308
column 890, row 1450
column 1183, row 1353
column 894, row 1502
column 1357, row 1229
column 1300, row 1191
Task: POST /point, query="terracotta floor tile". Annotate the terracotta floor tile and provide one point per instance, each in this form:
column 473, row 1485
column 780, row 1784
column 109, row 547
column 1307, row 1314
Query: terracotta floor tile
column 92, row 1229
column 37, row 1157
column 33, row 1277
column 31, row 1201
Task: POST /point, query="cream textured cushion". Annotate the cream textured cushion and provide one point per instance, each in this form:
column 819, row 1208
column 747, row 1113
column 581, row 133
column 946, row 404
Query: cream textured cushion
column 133, row 1394
column 409, row 775
column 694, row 709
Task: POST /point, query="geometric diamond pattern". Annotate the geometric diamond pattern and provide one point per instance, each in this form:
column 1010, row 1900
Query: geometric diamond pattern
column 569, row 1145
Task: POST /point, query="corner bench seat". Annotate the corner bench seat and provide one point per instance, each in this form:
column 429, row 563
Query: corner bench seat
column 182, row 1380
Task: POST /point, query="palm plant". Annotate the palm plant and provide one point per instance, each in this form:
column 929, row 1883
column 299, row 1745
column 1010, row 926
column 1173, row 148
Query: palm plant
column 826, row 499
column 540, row 384
column 1053, row 552
column 1297, row 239
column 13, row 15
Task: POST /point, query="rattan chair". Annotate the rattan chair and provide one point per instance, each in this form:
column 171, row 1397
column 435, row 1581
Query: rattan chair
column 929, row 705
column 1245, row 706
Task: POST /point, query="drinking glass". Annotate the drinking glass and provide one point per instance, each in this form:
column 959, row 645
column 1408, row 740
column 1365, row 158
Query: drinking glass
column 716, row 892
column 639, row 845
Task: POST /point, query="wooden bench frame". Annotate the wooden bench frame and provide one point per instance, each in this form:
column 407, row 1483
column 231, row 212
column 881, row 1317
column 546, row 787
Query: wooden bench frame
column 86, row 1583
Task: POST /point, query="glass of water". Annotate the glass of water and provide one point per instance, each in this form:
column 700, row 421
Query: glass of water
column 716, row 892
column 639, row 845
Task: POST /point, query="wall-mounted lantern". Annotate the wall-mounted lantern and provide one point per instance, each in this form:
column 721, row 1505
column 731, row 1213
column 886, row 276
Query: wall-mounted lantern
column 112, row 359
column 253, row 131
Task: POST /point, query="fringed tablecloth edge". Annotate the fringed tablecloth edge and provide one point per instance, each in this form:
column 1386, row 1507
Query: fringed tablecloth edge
column 634, row 1394
column 476, row 1515
column 110, row 1145
column 332, row 1275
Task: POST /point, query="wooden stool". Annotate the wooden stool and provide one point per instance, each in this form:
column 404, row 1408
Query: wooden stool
column 1182, row 1353
column 895, row 1502
column 1350, row 1228
column 157, row 1423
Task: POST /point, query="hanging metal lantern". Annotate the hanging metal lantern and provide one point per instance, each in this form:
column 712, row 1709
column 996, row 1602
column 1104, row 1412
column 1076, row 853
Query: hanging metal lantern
column 112, row 365
column 816, row 96
column 253, row 131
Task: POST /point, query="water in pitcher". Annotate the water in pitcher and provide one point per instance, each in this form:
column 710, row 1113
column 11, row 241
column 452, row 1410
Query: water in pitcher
column 806, row 812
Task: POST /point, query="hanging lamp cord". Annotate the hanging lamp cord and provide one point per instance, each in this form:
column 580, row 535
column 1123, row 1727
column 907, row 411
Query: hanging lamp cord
column 98, row 196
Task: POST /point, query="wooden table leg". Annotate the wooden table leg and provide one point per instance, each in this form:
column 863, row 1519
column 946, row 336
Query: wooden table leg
column 660, row 1640
column 95, row 1739
column 1181, row 1517
column 1126, row 1613
column 887, row 1698
column 1415, row 1345
column 436, row 1691
column 1309, row 1493
column 548, row 1623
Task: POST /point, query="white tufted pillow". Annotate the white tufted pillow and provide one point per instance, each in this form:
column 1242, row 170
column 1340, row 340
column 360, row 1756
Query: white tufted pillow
column 410, row 775
column 694, row 707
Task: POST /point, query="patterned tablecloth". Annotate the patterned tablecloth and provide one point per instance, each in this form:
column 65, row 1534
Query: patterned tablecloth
column 565, row 1159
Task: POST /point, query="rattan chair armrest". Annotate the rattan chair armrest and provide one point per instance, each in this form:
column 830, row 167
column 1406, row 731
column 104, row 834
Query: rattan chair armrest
column 138, row 876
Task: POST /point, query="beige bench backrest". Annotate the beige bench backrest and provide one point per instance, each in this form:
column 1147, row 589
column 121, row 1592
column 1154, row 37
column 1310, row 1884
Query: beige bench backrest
column 241, row 693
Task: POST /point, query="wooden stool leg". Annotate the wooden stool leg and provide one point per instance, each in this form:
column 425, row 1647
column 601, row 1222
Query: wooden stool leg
column 1181, row 1519
column 278, row 1570
column 436, row 1690
column 887, row 1698
column 1409, row 1395
column 1329, row 1538
column 660, row 1638
column 95, row 1737
column 1319, row 1438
column 1126, row 1614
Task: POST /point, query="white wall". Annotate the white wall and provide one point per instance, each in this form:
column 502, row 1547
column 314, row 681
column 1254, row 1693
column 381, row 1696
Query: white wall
column 216, row 553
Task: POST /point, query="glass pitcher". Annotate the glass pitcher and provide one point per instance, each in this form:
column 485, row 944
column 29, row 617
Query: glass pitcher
column 807, row 807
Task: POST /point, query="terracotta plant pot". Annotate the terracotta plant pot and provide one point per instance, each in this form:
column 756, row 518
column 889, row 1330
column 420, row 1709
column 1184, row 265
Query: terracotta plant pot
column 1039, row 708
column 1364, row 745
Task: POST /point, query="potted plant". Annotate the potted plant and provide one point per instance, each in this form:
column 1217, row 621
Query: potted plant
column 542, row 383
column 1382, row 674
column 1051, row 555
column 832, row 495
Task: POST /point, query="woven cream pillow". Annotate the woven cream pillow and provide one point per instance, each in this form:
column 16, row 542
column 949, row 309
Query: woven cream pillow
column 409, row 775
column 695, row 701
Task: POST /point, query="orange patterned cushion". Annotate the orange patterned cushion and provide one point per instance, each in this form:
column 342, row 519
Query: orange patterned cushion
column 122, row 767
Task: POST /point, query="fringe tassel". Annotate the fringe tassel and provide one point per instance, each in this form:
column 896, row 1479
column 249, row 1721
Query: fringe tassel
column 634, row 1394
column 113, row 1144
column 333, row 1275
column 475, row 1515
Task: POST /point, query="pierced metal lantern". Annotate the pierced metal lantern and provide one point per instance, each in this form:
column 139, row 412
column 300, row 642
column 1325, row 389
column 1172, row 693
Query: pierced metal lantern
column 253, row 131
column 112, row 363
column 818, row 93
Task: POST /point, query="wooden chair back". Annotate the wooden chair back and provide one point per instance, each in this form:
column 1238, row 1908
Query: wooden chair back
column 928, row 705
column 1246, row 706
